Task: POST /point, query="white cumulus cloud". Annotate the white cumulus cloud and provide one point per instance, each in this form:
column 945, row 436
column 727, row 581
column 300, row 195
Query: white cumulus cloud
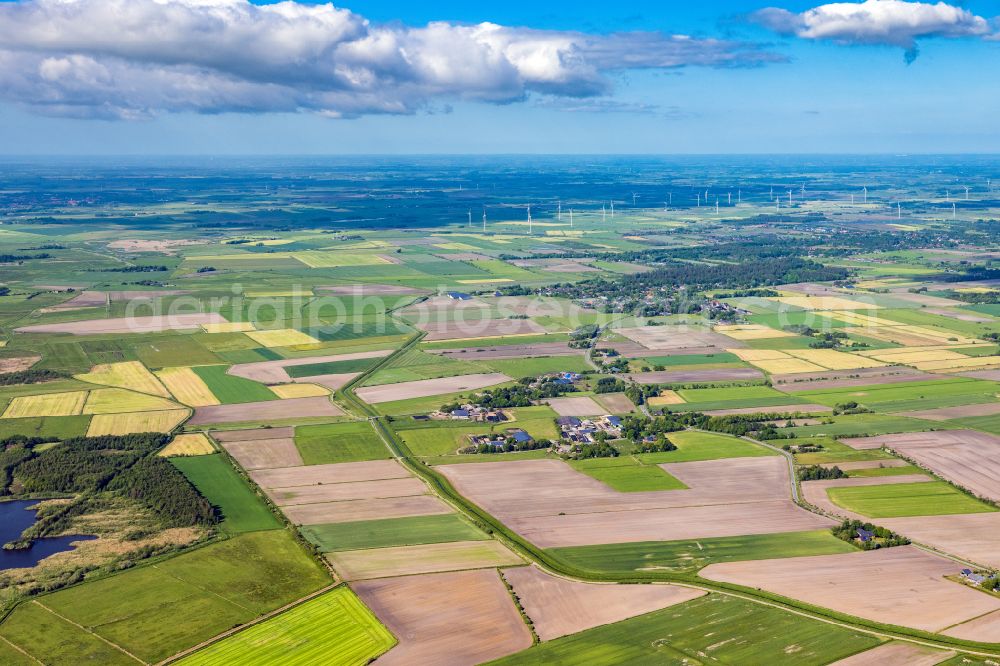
column 137, row 58
column 888, row 22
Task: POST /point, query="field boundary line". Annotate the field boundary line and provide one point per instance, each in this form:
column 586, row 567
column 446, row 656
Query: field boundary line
column 234, row 630
column 89, row 631
column 21, row 650
column 197, row 587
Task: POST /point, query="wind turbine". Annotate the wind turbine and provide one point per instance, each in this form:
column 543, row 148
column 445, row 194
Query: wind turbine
column 698, row 196
column 739, row 196
column 634, row 197
column 670, row 198
column 953, row 210
column 612, row 209
column 777, row 203
column 899, row 211
column 947, row 195
column 529, row 218
column 570, row 218
column 716, row 205
column 470, row 217
column 604, row 213
column 484, row 219
column 789, row 198
column 730, row 201
column 966, row 192
column 865, row 188
column 559, row 213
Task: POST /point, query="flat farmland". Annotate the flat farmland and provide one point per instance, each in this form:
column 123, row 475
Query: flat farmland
column 713, row 628
column 898, row 654
column 187, row 387
column 124, row 424
column 673, row 338
column 46, row 404
column 902, row 585
column 354, row 510
column 152, row 324
column 156, row 611
column 241, row 509
column 463, row 618
column 339, row 442
column 334, row 628
column 117, row 401
column 191, row 444
column 693, row 554
column 973, row 536
column 472, row 329
column 575, row 406
column 615, row 403
column 965, row 457
column 230, row 389
column 627, row 474
column 429, row 387
column 280, row 371
column 270, row 411
column 281, row 337
column 422, row 559
column 724, row 498
column 130, row 375
column 265, row 453
column 558, row 606
column 389, row 532
column 885, row 500
column 693, row 445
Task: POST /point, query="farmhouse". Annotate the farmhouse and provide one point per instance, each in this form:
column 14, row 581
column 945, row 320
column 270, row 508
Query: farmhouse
column 459, row 296
column 471, row 412
column 583, row 431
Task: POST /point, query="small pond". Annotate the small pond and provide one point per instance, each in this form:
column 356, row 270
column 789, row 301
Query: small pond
column 14, row 519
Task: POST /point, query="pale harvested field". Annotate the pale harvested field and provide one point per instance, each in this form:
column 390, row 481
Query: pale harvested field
column 69, row 403
column 152, row 324
column 615, row 403
column 131, row 375
column 578, row 406
column 187, row 387
column 304, row 390
column 815, row 492
column 84, row 299
column 947, row 413
column 972, row 536
column 555, row 265
column 310, row 475
column 724, row 498
column 992, row 375
column 962, row 316
column 688, row 376
column 120, row 401
column 282, row 337
column 967, row 458
column 825, row 303
column 427, row 387
column 164, row 246
column 269, row 410
column 430, row 558
column 265, row 453
column 337, row 492
column 478, row 328
column 787, row 365
column 848, row 378
column 370, row 509
column 833, row 359
column 229, row 327
column 902, row 585
column 17, row 363
column 462, row 618
column 668, row 338
column 472, row 353
column 273, row 372
column 666, row 397
column 189, row 444
column 897, row 654
column 751, row 332
column 370, row 290
column 124, row 424
column 253, row 433
column 558, row 607
column 779, row 409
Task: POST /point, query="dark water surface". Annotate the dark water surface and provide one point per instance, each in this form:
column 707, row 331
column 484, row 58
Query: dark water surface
column 14, row 519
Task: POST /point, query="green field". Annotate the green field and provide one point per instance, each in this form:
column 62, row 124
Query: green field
column 389, row 532
column 230, row 389
column 331, row 367
column 694, row 554
column 339, row 442
column 933, row 498
column 156, row 611
column 713, row 629
column 849, row 425
column 728, row 394
column 834, row 452
column 221, row 484
column 335, row 628
column 694, row 359
column 695, row 445
column 885, row 471
column 494, row 342
column 627, row 474
column 950, row 392
column 62, row 427
column 532, row 367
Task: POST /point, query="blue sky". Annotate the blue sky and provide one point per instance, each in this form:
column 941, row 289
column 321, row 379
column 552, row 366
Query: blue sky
column 849, row 93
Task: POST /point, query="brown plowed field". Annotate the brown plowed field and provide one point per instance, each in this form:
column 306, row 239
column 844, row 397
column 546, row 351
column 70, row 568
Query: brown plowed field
column 273, row 372
column 972, row 536
column 897, row 654
column 17, row 363
column 578, row 406
column 366, row 509
column 725, row 498
column 430, row 558
column 903, row 585
column 462, row 618
column 809, row 381
column 678, row 337
column 478, row 328
column 251, row 434
column 265, row 453
column 153, row 324
column 558, row 606
column 616, row 403
column 270, row 410
column 311, row 475
column 427, row 387
column 335, row 492
column 948, row 413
